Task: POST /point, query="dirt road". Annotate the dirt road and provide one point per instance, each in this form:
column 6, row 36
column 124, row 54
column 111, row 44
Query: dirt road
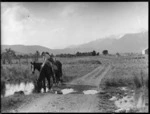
column 73, row 102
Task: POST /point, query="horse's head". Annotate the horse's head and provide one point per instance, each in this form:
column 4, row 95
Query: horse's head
column 33, row 67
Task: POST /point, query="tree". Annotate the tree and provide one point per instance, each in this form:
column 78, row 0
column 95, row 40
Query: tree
column 19, row 58
column 105, row 52
column 26, row 56
column 97, row 54
column 93, row 53
column 78, row 54
column 8, row 55
column 117, row 54
column 36, row 56
column 4, row 57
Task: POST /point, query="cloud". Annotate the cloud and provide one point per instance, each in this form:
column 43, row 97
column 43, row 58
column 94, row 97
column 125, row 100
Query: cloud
column 72, row 9
column 56, row 30
column 17, row 22
column 68, row 11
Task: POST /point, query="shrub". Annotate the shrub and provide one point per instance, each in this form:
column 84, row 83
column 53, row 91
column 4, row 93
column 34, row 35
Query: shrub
column 3, row 88
column 105, row 52
column 140, row 80
column 17, row 74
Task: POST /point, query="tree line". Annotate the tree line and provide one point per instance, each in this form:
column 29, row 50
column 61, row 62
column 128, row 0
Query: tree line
column 93, row 53
column 8, row 55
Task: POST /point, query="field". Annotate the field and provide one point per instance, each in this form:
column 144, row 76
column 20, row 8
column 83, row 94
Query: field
column 125, row 71
column 71, row 67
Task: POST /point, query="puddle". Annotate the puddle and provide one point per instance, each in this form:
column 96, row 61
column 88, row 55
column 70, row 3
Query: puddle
column 27, row 88
column 90, row 92
column 113, row 98
column 11, row 88
column 73, row 89
column 124, row 88
column 67, row 91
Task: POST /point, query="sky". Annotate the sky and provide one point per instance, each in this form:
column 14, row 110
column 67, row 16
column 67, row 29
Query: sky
column 57, row 25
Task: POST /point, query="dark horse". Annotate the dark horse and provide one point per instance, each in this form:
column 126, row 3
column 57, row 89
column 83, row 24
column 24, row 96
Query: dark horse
column 37, row 66
column 57, row 66
column 46, row 72
column 41, row 80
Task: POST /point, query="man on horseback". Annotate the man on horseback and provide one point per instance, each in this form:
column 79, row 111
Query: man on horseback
column 48, row 59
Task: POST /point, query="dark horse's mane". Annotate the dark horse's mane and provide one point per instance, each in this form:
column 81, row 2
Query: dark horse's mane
column 37, row 66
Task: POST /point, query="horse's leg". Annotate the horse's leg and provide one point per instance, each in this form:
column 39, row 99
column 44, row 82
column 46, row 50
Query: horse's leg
column 48, row 76
column 38, row 86
column 54, row 77
column 57, row 78
column 44, row 85
column 41, row 81
column 48, row 79
column 60, row 74
column 61, row 79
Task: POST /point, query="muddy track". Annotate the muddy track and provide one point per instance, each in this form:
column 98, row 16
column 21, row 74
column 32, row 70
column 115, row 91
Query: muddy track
column 77, row 102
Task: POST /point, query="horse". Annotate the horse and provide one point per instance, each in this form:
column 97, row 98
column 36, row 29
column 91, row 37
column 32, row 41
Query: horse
column 46, row 72
column 57, row 66
column 58, row 71
column 37, row 66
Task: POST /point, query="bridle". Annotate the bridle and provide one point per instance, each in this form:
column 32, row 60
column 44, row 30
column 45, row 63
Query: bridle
column 32, row 68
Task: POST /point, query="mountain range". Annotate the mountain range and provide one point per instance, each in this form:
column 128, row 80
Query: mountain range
column 130, row 42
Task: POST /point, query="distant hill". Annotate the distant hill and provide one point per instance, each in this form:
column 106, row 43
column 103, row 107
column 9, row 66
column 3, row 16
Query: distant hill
column 133, row 42
column 26, row 49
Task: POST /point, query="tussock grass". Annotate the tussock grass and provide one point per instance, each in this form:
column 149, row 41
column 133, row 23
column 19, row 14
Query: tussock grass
column 131, row 80
column 127, row 72
column 17, row 75
column 14, row 101
column 10, row 102
column 118, row 82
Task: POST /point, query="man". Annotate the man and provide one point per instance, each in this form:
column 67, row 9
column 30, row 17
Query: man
column 48, row 59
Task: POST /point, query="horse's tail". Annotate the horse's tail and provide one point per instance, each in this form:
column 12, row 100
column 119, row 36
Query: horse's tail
column 59, row 65
column 61, row 70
